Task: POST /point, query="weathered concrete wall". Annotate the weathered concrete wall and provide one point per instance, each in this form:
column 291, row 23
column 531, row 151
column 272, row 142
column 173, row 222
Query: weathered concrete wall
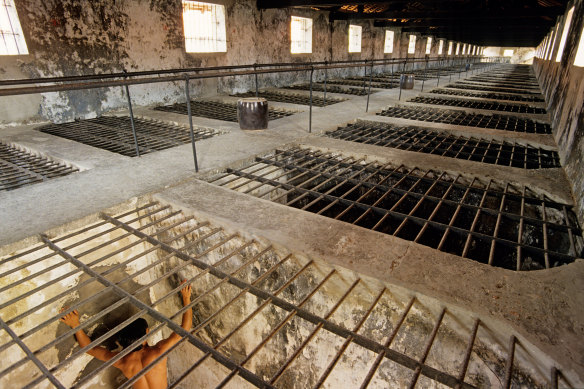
column 70, row 38
column 563, row 86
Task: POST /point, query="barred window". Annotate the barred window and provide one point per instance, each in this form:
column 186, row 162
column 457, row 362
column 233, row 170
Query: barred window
column 552, row 42
column 300, row 35
column 204, row 27
column 565, row 34
column 412, row 45
column 354, row 39
column 579, row 60
column 388, row 49
column 12, row 42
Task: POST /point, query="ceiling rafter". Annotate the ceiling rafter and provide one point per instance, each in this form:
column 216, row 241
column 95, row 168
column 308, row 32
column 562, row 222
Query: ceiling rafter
column 515, row 22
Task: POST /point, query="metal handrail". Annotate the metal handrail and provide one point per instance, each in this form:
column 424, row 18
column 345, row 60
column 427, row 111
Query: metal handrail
column 257, row 68
column 125, row 79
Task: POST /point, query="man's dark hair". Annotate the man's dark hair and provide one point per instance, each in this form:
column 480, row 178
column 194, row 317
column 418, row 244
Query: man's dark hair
column 132, row 332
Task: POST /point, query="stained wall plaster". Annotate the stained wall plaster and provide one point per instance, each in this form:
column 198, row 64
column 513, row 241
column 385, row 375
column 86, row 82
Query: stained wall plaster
column 72, row 37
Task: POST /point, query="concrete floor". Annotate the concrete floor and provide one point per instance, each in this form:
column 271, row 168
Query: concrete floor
column 543, row 306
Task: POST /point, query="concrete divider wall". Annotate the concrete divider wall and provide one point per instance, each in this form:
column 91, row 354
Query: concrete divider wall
column 563, row 86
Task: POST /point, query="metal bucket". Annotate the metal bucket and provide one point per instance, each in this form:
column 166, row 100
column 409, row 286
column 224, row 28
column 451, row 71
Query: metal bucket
column 406, row 81
column 252, row 113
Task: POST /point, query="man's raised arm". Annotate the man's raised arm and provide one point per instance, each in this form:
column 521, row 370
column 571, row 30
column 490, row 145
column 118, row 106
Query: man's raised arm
column 72, row 320
column 187, row 319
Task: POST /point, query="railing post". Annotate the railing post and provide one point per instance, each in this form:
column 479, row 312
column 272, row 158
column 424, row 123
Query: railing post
column 369, row 90
column 188, row 95
column 325, row 79
column 400, row 87
column 256, row 80
column 132, row 118
column 364, row 75
column 310, row 110
column 438, row 73
column 424, row 76
column 459, row 68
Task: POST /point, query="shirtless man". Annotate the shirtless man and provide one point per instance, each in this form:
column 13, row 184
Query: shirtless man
column 132, row 363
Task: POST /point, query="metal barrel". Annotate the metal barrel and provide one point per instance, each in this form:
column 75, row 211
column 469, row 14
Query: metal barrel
column 252, row 113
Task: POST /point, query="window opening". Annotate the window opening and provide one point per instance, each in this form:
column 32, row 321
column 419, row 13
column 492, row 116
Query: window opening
column 579, row 60
column 388, row 49
column 565, row 34
column 412, row 45
column 457, row 48
column 12, row 42
column 508, row 53
column 300, row 35
column 450, row 44
column 551, row 44
column 440, row 47
column 428, row 45
column 204, row 27
column 355, row 38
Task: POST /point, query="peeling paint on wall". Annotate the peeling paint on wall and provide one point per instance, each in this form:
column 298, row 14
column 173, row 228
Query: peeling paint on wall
column 71, row 38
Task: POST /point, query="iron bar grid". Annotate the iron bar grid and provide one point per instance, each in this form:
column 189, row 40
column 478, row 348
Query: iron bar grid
column 274, row 291
column 19, row 168
column 461, row 118
column 424, row 140
column 293, row 98
column 491, row 88
column 364, row 83
column 491, row 96
column 465, row 217
column 217, row 110
column 519, row 80
column 490, row 106
column 114, row 133
column 319, row 87
column 494, row 84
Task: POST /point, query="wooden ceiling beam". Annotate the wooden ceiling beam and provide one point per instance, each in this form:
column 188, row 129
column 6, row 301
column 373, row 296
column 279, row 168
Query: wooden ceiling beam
column 509, row 14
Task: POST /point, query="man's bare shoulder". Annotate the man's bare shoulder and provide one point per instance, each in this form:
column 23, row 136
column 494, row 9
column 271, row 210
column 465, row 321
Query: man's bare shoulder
column 153, row 351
